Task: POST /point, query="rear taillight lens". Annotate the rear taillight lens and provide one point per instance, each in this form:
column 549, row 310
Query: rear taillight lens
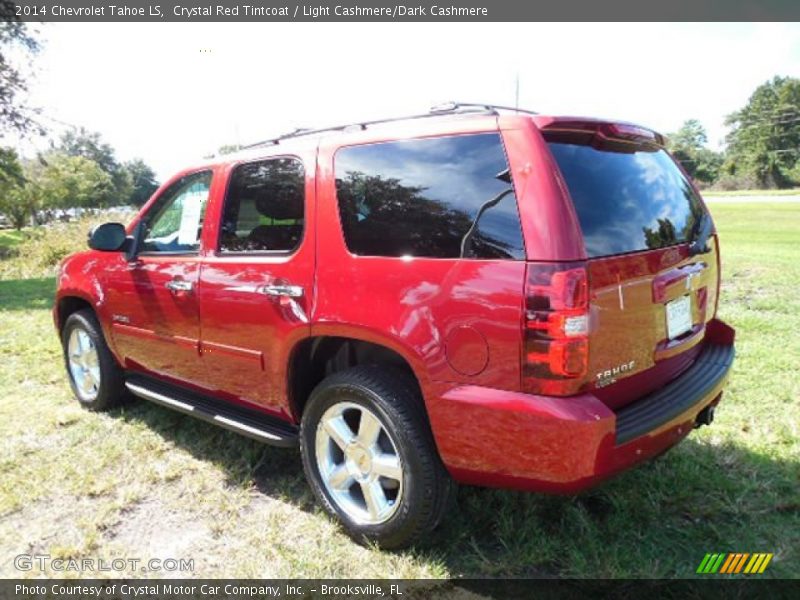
column 556, row 328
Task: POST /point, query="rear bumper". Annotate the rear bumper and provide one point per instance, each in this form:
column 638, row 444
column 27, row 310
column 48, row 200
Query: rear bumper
column 564, row 445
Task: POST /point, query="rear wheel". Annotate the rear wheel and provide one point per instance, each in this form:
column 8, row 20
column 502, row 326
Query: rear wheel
column 94, row 375
column 370, row 459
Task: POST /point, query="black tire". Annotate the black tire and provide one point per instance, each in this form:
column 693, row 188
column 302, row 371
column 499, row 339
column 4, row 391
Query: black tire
column 427, row 489
column 111, row 391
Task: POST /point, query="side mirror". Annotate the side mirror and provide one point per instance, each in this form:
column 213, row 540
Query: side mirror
column 108, row 237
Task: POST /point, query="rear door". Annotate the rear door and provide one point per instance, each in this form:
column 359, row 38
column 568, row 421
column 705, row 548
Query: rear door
column 256, row 285
column 649, row 298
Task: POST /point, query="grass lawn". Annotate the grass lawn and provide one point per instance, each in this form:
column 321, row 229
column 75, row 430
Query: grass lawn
column 146, row 482
column 788, row 192
column 10, row 237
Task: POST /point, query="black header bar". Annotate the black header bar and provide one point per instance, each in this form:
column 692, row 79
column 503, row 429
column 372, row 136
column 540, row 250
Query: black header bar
column 386, row 589
column 426, row 10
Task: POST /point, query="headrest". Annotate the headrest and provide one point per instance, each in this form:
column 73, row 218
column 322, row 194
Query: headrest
column 281, row 201
column 277, row 187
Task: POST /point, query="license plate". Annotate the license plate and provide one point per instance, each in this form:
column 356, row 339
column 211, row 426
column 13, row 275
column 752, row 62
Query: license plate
column 679, row 316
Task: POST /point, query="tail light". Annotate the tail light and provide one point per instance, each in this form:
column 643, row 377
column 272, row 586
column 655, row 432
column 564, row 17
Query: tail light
column 556, row 328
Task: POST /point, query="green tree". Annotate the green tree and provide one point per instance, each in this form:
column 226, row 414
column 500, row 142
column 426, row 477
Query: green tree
column 688, row 146
column 89, row 145
column 63, row 181
column 10, row 169
column 691, row 136
column 143, row 181
column 80, row 142
column 20, row 206
column 14, row 202
column 706, row 165
column 15, row 116
column 764, row 141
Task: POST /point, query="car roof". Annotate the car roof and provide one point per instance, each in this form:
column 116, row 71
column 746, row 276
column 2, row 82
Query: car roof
column 388, row 128
column 458, row 118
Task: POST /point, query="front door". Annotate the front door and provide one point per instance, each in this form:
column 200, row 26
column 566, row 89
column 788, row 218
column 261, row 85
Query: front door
column 255, row 289
column 152, row 299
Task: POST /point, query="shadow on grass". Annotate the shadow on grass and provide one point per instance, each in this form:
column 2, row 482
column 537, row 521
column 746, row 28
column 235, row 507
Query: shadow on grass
column 656, row 521
column 274, row 471
column 27, row 294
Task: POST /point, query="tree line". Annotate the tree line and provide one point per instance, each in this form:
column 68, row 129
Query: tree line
column 79, row 172
column 762, row 148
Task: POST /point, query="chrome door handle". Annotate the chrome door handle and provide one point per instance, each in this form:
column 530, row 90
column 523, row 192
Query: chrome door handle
column 289, row 291
column 178, row 285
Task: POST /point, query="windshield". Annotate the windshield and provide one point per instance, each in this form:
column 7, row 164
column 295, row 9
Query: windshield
column 628, row 201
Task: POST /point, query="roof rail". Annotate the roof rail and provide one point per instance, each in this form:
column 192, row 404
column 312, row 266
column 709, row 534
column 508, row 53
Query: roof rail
column 435, row 111
column 492, row 108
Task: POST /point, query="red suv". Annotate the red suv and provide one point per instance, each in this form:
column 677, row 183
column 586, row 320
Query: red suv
column 474, row 295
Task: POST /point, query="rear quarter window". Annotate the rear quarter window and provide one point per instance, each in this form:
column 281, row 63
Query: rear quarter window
column 420, row 198
column 627, row 201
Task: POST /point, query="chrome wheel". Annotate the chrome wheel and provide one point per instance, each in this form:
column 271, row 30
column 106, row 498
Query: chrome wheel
column 359, row 463
column 84, row 365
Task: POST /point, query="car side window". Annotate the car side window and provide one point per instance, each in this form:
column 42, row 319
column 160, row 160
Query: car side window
column 175, row 221
column 445, row 197
column 264, row 207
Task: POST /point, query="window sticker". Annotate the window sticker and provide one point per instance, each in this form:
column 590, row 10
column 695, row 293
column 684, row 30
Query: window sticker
column 190, row 216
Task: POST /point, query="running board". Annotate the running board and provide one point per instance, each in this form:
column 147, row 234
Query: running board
column 250, row 423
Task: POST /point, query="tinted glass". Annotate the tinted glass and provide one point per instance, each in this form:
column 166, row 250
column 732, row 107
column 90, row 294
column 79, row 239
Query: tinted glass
column 420, row 197
column 628, row 201
column 264, row 207
column 174, row 222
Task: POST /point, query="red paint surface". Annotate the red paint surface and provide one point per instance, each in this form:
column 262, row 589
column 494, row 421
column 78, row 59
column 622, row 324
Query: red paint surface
column 467, row 350
column 228, row 339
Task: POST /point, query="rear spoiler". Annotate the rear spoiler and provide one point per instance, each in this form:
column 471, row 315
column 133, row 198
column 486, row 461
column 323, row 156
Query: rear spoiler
column 610, row 135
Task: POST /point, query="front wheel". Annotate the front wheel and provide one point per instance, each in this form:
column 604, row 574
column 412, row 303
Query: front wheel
column 370, row 458
column 94, row 375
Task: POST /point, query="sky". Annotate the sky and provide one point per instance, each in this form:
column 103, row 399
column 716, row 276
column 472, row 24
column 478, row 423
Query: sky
column 171, row 93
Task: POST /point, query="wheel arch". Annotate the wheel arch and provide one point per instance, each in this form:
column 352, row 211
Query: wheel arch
column 71, row 300
column 68, row 304
column 314, row 358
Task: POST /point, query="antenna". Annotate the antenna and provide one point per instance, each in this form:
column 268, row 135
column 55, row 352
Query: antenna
column 516, row 93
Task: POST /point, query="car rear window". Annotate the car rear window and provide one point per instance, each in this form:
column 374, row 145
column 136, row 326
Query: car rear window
column 628, row 201
column 445, row 197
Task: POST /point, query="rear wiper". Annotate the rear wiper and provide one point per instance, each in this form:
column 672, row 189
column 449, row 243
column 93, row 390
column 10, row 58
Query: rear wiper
column 704, row 229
